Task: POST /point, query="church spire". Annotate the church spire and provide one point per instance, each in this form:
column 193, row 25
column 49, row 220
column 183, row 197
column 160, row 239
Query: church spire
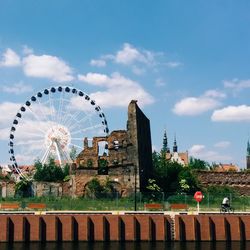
column 175, row 147
column 165, row 147
column 165, row 141
column 248, row 148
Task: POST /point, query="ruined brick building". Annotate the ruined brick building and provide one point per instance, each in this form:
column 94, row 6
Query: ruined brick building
column 127, row 160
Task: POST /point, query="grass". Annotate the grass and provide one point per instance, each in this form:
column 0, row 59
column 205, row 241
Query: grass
column 127, row 204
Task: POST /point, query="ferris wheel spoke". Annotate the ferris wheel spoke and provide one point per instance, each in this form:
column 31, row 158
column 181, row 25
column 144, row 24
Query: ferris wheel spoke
column 52, row 108
column 75, row 145
column 38, row 119
column 66, row 117
column 61, row 105
column 41, row 109
column 29, row 142
column 73, row 117
column 87, row 129
column 87, row 117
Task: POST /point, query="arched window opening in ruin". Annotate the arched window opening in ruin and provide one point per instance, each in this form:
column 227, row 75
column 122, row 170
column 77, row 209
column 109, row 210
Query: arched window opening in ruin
column 90, row 142
column 102, row 148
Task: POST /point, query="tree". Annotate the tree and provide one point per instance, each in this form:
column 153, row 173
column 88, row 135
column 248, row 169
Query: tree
column 198, row 164
column 50, row 171
column 23, row 188
column 172, row 177
column 166, row 173
column 94, row 188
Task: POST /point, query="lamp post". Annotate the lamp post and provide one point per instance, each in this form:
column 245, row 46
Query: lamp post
column 135, row 187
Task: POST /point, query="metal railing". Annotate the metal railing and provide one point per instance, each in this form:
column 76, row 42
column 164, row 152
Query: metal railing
column 104, row 202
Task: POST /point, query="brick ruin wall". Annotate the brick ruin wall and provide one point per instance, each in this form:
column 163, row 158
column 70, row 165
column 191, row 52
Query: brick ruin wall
column 129, row 158
column 240, row 181
column 123, row 179
column 7, row 189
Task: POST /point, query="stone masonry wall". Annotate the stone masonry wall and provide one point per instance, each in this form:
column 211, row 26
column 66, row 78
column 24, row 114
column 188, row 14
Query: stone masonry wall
column 129, row 157
column 7, row 189
column 240, row 181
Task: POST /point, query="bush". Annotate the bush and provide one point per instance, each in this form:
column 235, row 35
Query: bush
column 50, row 172
column 23, row 188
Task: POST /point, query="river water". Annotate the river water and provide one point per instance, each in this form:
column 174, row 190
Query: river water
column 128, row 246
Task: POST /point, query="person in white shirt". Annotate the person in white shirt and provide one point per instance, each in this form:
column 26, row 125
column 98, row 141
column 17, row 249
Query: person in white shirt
column 225, row 202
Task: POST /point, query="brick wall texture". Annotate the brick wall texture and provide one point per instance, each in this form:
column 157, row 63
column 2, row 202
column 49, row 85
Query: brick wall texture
column 128, row 227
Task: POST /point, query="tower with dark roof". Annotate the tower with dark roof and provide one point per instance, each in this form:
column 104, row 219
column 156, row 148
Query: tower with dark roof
column 165, row 147
column 175, row 147
column 248, row 155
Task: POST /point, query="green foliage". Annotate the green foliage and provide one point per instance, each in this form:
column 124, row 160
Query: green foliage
column 66, row 169
column 172, row 177
column 50, row 172
column 184, row 186
column 96, row 189
column 152, row 186
column 220, row 190
column 23, row 188
column 5, row 177
column 103, row 166
column 89, row 163
column 198, row 164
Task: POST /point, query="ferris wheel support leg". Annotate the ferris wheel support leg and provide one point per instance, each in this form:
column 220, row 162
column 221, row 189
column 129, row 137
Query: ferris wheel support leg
column 45, row 156
column 58, row 153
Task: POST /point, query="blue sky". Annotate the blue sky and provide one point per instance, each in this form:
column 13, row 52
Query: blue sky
column 186, row 62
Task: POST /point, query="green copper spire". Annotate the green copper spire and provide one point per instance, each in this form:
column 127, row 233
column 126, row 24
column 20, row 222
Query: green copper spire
column 165, row 142
column 165, row 147
column 175, row 148
column 248, row 148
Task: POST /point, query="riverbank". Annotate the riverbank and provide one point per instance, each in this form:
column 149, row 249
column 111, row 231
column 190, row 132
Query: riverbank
column 59, row 227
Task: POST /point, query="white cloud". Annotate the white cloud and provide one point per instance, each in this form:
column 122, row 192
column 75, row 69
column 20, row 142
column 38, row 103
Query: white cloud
column 76, row 103
column 173, row 64
column 201, row 152
column 195, row 105
column 98, row 63
column 192, row 106
column 95, row 79
column 129, row 55
column 17, row 88
column 120, row 90
column 7, row 112
column 237, row 84
column 222, row 144
column 138, row 70
column 4, row 134
column 232, row 114
column 48, row 67
column 27, row 50
column 160, row 82
column 214, row 93
column 10, row 59
column 195, row 149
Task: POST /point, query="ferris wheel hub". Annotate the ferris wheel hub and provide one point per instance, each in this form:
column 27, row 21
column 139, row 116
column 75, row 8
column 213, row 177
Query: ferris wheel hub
column 58, row 133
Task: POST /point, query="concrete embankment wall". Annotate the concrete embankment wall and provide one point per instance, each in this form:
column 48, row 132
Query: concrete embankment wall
column 129, row 227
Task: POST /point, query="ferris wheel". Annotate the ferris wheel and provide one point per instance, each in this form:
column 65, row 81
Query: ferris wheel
column 51, row 124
